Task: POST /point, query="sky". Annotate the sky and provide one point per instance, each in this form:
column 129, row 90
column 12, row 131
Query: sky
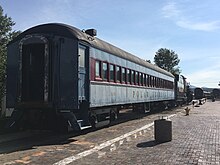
column 191, row 28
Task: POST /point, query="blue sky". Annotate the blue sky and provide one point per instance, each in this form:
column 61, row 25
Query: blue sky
column 189, row 27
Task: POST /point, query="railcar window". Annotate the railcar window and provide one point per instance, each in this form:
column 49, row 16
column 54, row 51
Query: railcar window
column 123, row 75
column 118, row 73
column 148, row 80
column 112, row 72
column 153, row 81
column 159, row 83
column 171, row 85
column 104, row 71
column 136, row 78
column 81, row 57
column 132, row 77
column 97, row 69
column 141, row 79
column 156, row 82
column 145, row 79
column 128, row 76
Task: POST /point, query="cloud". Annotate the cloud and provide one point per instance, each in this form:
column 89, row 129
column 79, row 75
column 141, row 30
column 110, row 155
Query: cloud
column 203, row 78
column 208, row 76
column 203, row 26
column 172, row 11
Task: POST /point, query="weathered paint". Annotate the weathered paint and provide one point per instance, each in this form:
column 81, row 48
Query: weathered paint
column 104, row 93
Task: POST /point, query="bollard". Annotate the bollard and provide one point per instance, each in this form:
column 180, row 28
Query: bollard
column 162, row 130
column 187, row 109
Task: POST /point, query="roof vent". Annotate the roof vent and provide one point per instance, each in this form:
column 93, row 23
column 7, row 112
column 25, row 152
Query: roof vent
column 91, row 32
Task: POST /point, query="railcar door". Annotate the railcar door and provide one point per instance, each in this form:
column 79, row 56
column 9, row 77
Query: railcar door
column 82, row 74
column 33, row 72
column 83, row 84
column 33, row 69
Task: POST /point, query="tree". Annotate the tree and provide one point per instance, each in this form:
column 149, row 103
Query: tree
column 6, row 35
column 168, row 60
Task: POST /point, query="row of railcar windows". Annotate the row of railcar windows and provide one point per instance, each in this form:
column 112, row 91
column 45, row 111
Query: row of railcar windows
column 113, row 73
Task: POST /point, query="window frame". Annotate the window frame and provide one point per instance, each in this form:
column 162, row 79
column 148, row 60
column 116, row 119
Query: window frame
column 113, row 73
column 106, row 72
column 123, row 75
column 98, row 77
column 132, row 77
column 141, row 82
column 80, row 58
column 144, row 79
column 136, row 78
column 116, row 73
column 128, row 81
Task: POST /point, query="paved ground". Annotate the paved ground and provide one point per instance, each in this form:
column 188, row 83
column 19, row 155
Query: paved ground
column 196, row 140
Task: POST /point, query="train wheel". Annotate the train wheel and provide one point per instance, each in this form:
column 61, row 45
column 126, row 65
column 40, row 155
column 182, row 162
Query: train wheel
column 93, row 121
column 114, row 114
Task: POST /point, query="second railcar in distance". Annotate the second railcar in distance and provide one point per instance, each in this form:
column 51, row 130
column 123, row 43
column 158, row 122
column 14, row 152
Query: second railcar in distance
column 198, row 93
column 181, row 89
column 216, row 93
column 56, row 72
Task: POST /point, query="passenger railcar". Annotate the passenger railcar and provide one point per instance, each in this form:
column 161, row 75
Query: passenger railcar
column 58, row 72
column 198, row 93
column 216, row 93
column 180, row 89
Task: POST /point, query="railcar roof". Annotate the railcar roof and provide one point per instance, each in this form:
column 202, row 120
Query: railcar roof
column 72, row 32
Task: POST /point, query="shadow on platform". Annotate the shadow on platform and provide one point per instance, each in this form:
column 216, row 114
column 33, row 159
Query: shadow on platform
column 151, row 143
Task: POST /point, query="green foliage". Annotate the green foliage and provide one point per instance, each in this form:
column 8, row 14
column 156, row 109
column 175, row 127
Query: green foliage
column 6, row 35
column 168, row 60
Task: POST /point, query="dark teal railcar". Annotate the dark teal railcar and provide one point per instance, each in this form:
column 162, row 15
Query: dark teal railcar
column 63, row 77
column 43, row 73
